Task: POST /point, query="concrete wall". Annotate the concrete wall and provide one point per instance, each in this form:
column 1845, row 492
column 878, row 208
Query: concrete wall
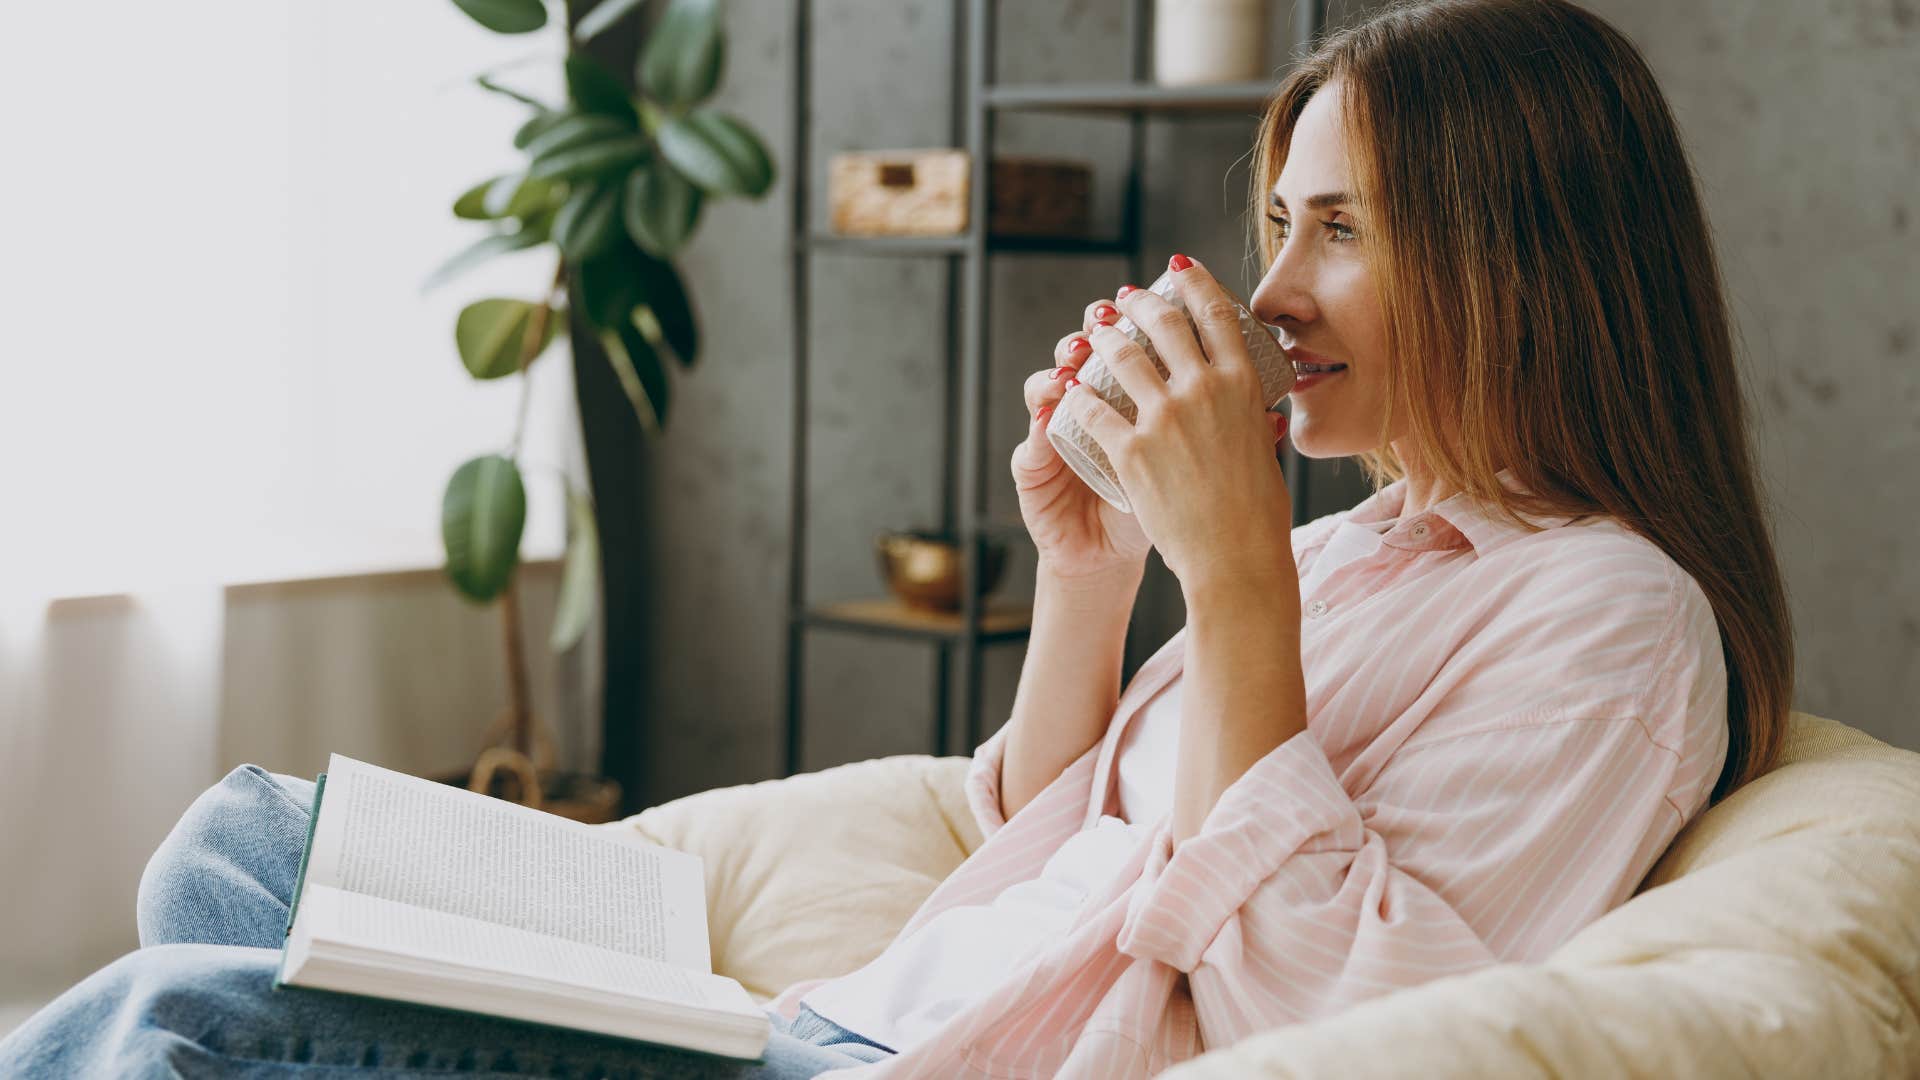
column 1796, row 115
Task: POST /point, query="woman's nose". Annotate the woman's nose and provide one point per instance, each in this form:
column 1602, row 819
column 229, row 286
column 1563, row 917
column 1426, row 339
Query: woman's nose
column 1284, row 296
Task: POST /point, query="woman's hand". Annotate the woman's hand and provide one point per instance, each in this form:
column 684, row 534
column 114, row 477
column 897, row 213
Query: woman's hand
column 1198, row 462
column 1078, row 534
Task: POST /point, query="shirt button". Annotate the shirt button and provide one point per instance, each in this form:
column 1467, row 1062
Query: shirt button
column 1316, row 609
column 1419, row 529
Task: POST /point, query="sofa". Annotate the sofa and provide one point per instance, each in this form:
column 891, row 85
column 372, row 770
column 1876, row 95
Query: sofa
column 1779, row 935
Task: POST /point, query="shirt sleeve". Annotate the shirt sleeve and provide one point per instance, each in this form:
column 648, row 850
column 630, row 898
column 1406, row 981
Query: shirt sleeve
column 1303, row 894
column 983, row 782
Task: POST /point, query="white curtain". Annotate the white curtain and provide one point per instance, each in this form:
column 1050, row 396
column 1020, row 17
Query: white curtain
column 219, row 368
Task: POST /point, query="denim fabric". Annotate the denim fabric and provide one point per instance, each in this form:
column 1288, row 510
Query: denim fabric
column 197, row 998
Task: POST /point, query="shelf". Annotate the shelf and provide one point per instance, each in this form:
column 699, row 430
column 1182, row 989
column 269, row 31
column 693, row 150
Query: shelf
column 975, row 106
column 957, row 245
column 888, row 245
column 998, row 622
column 1128, row 97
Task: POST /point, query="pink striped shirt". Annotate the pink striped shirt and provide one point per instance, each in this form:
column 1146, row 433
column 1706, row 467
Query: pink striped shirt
column 1504, row 731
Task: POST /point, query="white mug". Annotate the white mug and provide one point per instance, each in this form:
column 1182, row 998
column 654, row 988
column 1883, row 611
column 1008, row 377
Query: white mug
column 1079, row 449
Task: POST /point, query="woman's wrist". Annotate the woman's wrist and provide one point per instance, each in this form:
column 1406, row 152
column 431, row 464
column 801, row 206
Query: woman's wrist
column 1099, row 587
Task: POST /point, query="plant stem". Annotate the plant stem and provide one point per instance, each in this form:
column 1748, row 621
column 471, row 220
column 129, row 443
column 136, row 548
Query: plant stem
column 521, row 724
column 530, row 348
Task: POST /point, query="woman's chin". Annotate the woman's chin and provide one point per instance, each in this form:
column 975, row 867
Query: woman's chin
column 1305, row 441
column 1312, row 440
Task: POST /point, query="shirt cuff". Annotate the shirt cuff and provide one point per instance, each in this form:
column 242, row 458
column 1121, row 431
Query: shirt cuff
column 1288, row 802
column 983, row 782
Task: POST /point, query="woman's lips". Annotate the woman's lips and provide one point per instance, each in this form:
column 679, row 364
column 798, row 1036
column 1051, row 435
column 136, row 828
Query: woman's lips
column 1307, row 380
column 1303, row 380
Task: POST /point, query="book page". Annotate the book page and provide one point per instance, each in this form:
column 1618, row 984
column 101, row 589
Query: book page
column 412, row 841
column 396, row 929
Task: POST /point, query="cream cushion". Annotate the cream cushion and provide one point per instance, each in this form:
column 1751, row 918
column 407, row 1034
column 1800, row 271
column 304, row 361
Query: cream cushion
column 1779, row 934
column 812, row 874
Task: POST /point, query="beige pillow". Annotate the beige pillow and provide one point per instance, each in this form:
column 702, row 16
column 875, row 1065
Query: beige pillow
column 812, row 875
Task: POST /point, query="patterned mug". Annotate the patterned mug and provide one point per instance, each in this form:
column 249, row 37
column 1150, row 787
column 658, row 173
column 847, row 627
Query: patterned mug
column 1082, row 452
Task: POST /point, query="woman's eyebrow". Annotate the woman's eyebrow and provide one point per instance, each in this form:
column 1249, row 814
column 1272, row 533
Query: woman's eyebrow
column 1315, row 202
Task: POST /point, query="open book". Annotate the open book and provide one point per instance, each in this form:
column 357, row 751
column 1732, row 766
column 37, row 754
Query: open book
column 421, row 892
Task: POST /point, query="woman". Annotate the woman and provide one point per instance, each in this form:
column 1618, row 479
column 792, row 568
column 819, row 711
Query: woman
column 1442, row 730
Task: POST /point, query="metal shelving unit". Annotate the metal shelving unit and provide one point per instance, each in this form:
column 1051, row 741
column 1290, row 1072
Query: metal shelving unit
column 976, row 99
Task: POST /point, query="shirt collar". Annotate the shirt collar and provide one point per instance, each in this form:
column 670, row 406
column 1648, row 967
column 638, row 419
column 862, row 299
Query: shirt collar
column 1459, row 520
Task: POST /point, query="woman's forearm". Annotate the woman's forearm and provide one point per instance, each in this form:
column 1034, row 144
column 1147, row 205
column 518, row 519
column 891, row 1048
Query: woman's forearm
column 1243, row 689
column 1070, row 681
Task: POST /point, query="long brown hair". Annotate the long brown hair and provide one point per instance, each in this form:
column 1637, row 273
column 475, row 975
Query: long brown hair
column 1552, row 299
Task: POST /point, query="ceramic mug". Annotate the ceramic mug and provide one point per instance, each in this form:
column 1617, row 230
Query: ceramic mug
column 1080, row 450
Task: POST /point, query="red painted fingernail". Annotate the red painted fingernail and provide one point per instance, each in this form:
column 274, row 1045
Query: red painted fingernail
column 1072, row 382
column 1059, row 372
column 1103, row 313
column 1078, row 345
column 1280, row 423
column 1179, row 262
column 1124, row 290
column 1045, row 411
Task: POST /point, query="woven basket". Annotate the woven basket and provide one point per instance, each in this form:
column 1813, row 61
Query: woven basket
column 925, row 193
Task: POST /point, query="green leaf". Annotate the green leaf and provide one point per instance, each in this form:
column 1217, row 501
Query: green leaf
column 609, row 285
column 471, row 203
column 684, row 54
column 587, row 221
column 519, row 196
column 486, row 82
column 573, row 128
column 506, row 16
column 665, row 296
column 537, row 123
column 492, row 334
column 641, row 375
column 597, row 91
column 580, row 578
column 661, row 208
column 481, row 516
column 626, row 288
column 589, row 158
column 480, row 251
column 512, row 195
column 595, row 22
column 718, row 153
column 539, row 223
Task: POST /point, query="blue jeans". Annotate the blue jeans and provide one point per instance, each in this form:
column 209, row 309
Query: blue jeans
column 197, row 998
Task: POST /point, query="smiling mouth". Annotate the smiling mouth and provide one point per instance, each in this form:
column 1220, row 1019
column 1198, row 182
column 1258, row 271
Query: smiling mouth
column 1301, row 367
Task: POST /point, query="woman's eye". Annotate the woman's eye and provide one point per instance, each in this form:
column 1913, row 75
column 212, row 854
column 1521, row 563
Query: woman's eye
column 1340, row 233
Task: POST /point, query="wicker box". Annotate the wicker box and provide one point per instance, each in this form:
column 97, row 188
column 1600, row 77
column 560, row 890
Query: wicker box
column 926, row 193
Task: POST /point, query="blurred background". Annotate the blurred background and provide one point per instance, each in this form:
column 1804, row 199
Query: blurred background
column 270, row 496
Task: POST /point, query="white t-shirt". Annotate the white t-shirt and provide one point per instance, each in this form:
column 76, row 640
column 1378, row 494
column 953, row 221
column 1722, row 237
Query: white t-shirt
column 913, row 988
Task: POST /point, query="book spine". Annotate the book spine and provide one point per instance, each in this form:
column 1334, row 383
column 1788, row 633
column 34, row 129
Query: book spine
column 300, row 877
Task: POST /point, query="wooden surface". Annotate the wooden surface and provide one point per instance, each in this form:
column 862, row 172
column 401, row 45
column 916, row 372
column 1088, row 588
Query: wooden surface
column 888, row 612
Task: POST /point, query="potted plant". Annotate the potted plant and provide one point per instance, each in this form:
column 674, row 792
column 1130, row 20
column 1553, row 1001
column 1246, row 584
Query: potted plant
column 613, row 181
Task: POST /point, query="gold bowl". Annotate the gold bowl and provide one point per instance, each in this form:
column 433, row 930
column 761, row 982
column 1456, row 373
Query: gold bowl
column 923, row 567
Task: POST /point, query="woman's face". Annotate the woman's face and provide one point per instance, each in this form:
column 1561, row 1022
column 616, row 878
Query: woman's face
column 1319, row 290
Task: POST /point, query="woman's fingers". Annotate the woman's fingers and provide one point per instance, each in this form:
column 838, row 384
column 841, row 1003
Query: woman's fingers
column 1072, row 350
column 1100, row 313
column 1042, row 389
column 1036, row 453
